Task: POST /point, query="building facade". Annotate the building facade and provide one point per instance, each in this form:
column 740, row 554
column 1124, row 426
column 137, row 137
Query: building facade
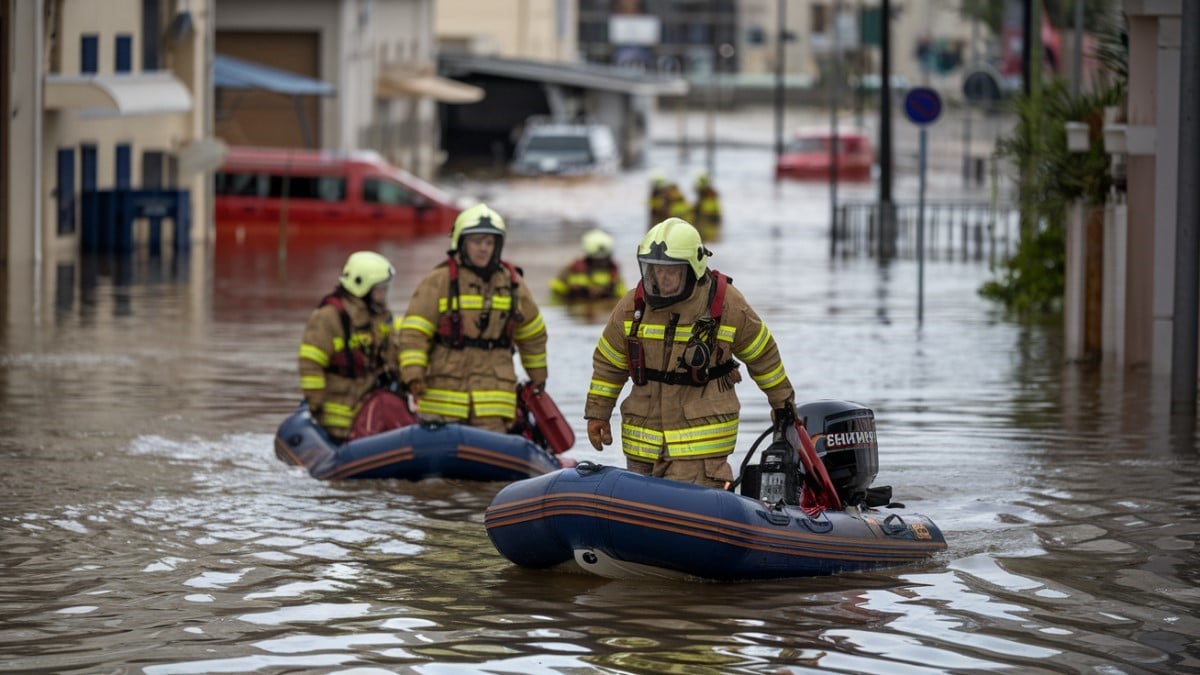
column 380, row 57
column 97, row 102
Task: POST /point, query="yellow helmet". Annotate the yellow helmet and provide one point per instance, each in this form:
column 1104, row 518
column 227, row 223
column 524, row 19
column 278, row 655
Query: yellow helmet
column 365, row 270
column 479, row 219
column 702, row 181
column 674, row 241
column 597, row 244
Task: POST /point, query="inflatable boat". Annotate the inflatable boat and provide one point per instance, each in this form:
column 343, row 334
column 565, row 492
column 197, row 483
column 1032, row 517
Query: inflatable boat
column 790, row 520
column 422, row 450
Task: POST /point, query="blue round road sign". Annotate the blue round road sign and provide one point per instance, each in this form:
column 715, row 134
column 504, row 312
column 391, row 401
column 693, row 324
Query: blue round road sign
column 922, row 105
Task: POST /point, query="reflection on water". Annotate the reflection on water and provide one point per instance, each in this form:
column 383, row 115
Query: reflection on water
column 147, row 526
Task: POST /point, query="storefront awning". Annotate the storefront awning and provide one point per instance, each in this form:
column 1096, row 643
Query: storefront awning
column 396, row 83
column 232, row 73
column 155, row 93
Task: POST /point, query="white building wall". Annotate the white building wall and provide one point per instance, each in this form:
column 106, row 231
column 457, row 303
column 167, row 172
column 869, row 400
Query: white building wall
column 24, row 118
column 71, row 128
column 1166, row 187
column 357, row 39
column 544, row 30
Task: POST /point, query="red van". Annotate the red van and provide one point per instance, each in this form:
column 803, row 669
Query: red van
column 320, row 194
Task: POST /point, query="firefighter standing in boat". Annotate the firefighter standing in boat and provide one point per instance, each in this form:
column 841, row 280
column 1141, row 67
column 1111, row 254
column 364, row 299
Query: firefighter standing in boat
column 463, row 323
column 348, row 349
column 676, row 336
column 593, row 276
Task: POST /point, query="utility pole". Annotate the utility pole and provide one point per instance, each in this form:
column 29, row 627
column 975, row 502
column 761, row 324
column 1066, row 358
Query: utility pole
column 1187, row 226
column 1027, row 32
column 887, row 209
column 780, row 38
column 835, row 77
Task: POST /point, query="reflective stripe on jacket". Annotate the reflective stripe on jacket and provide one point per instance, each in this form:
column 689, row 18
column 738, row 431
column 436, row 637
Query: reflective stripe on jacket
column 689, row 422
column 708, row 209
column 579, row 281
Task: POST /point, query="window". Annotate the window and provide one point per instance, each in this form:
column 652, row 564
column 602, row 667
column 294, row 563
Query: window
column 151, row 33
column 89, row 53
column 322, row 188
column 819, row 22
column 123, row 163
column 65, row 190
column 391, row 193
column 123, row 61
column 152, row 169
column 241, row 184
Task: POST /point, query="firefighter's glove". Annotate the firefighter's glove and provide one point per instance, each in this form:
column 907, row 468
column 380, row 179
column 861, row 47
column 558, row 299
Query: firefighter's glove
column 538, row 386
column 415, row 386
column 599, row 433
column 784, row 416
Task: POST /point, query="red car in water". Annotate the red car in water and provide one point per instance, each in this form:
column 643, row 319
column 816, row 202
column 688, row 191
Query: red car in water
column 807, row 156
column 316, row 195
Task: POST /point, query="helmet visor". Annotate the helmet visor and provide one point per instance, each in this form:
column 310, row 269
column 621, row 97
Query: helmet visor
column 664, row 279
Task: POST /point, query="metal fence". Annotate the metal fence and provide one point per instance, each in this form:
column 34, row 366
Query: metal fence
column 953, row 230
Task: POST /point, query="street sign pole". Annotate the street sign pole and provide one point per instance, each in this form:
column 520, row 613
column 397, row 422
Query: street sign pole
column 921, row 143
column 923, row 106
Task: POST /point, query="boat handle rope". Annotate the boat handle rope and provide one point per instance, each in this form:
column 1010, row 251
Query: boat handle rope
column 890, row 526
column 587, row 466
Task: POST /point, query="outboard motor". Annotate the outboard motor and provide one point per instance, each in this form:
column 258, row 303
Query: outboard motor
column 844, row 435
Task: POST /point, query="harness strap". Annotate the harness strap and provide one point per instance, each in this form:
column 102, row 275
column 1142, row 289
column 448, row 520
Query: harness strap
column 348, row 368
column 719, row 370
column 449, row 331
column 697, row 377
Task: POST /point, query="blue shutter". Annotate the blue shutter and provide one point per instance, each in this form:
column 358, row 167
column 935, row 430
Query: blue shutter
column 124, row 54
column 124, row 160
column 65, row 190
column 89, row 53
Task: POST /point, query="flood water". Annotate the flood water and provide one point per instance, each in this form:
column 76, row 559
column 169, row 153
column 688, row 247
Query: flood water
column 148, row 528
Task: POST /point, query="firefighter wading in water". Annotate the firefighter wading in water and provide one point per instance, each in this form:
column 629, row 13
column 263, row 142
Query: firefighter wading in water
column 464, row 321
column 594, row 276
column 348, row 348
column 676, row 336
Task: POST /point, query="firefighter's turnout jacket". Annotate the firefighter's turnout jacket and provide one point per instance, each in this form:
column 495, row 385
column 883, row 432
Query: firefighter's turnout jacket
column 345, row 349
column 585, row 280
column 707, row 213
column 469, row 366
column 689, row 421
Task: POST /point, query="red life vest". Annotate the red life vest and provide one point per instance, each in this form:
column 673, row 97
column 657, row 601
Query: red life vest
column 449, row 328
column 350, row 361
column 584, row 292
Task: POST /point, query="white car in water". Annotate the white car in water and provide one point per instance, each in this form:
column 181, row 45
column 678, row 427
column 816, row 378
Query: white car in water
column 565, row 149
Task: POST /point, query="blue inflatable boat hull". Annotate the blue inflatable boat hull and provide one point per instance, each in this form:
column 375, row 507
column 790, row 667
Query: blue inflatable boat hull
column 413, row 452
column 616, row 523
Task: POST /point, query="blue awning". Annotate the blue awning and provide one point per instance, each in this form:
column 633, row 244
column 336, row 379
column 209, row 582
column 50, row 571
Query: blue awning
column 232, row 73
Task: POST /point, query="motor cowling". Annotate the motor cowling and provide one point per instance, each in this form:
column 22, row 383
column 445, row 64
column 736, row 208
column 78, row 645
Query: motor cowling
column 843, row 433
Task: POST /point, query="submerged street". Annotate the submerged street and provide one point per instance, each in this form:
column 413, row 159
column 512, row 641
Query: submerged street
column 148, row 527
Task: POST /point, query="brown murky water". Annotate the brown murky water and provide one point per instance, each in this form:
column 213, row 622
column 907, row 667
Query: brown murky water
column 147, row 526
